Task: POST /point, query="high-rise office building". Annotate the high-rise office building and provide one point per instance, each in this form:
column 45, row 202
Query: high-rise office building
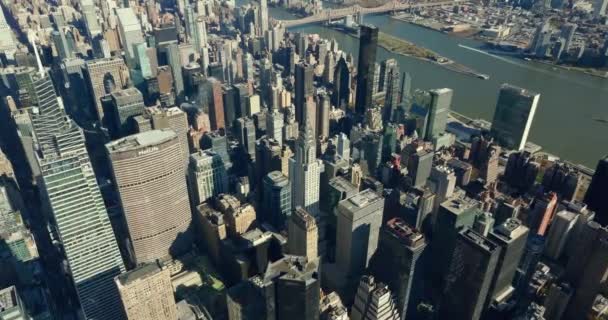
column 104, row 76
column 304, row 89
column 303, row 234
column 207, row 176
column 592, row 277
column 373, row 301
column 469, row 276
column 419, row 167
column 274, row 125
column 263, row 16
column 400, row 248
column 174, row 60
column 454, row 215
column 216, row 104
column 513, row 117
column 510, row 237
column 391, row 88
column 11, row 305
column 599, row 8
column 245, row 132
column 557, row 300
column 439, row 108
column 342, row 84
column 305, row 173
column 125, row 104
column 276, row 199
column 368, row 44
column 167, row 118
column 70, row 191
column 151, row 163
column 595, row 196
column 292, row 288
column 359, row 221
column 146, row 293
column 130, row 32
column 90, row 18
column 561, row 228
column 61, row 44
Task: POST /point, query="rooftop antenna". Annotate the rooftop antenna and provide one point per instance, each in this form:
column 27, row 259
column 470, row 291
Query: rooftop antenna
column 32, row 38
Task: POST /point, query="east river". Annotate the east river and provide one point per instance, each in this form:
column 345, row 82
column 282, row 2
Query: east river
column 564, row 124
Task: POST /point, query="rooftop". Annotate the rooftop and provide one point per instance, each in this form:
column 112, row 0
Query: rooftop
column 405, row 233
column 361, row 200
column 8, row 298
column 478, row 240
column 139, row 273
column 293, row 267
column 141, row 140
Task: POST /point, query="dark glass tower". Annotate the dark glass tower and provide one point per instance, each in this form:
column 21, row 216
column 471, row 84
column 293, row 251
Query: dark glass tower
column 368, row 43
column 596, row 194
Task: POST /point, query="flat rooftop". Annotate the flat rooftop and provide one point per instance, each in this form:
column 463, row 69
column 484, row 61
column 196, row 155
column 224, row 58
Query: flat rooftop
column 139, row 273
column 141, row 140
column 8, row 298
column 361, row 200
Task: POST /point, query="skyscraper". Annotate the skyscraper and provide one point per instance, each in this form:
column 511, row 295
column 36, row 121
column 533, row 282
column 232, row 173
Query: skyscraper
column 304, row 89
column 373, row 301
column 245, row 133
column 81, row 221
column 419, row 167
column 150, row 163
column 90, row 18
column 207, row 176
column 130, row 32
column 359, row 221
column 276, row 199
column 291, row 288
column 305, row 173
column 595, row 196
column 391, row 88
column 469, row 276
column 303, row 235
column 368, row 44
column 513, row 117
column 342, row 84
column 400, row 247
column 126, row 104
column 439, row 108
column 146, row 293
column 511, row 238
column 216, row 104
column 174, row 59
column 104, row 76
column 592, row 277
column 560, row 230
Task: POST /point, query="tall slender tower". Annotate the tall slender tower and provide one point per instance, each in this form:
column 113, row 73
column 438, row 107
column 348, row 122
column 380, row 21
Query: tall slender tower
column 305, row 173
column 263, row 16
column 368, row 44
column 70, row 191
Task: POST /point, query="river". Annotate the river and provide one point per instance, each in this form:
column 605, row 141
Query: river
column 569, row 100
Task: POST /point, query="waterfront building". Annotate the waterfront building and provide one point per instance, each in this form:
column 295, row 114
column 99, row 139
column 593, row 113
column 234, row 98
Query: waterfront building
column 513, row 117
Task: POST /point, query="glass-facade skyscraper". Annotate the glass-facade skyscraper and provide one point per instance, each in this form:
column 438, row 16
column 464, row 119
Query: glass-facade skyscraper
column 368, row 44
column 70, row 191
column 513, row 116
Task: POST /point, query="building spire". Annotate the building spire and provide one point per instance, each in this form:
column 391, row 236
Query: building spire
column 32, row 39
